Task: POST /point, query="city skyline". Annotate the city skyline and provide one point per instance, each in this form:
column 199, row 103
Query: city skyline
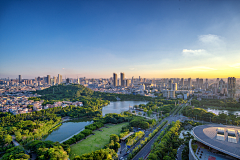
column 153, row 39
column 118, row 77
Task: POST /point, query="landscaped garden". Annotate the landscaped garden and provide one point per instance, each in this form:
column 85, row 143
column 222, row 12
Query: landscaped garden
column 97, row 141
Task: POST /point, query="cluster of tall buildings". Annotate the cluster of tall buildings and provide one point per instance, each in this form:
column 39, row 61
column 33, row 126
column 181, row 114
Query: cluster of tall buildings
column 122, row 82
column 48, row 80
column 119, row 83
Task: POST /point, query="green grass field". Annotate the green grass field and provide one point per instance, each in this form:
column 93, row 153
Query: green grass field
column 97, row 141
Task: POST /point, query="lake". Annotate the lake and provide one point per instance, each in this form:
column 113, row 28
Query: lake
column 216, row 111
column 120, row 106
column 69, row 128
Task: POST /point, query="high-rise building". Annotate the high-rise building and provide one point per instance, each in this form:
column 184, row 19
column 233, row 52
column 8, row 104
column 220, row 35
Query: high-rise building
column 114, row 79
column 122, row 79
column 127, row 82
column 197, row 82
column 174, row 86
column 67, row 80
column 20, row 78
column 182, row 82
column 231, row 86
column 200, row 83
column 189, row 83
column 132, row 80
column 48, row 79
column 170, row 84
column 119, row 82
column 59, row 79
column 54, row 80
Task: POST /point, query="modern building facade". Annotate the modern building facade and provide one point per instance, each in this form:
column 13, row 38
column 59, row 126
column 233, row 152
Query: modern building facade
column 127, row 82
column 122, row 79
column 189, row 83
column 48, row 79
column 114, row 79
column 59, row 79
column 20, row 78
column 231, row 87
column 174, row 86
column 54, row 80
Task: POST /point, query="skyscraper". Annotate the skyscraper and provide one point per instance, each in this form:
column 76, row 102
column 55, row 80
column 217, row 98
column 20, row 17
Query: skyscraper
column 189, row 83
column 54, row 80
column 48, row 79
column 122, row 79
column 197, row 82
column 170, row 84
column 127, row 82
column 20, row 78
column 174, row 86
column 67, row 80
column 58, row 79
column 231, row 86
column 182, row 82
column 114, row 79
column 200, row 83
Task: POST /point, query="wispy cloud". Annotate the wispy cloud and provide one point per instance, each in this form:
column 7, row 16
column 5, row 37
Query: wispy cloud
column 131, row 68
column 63, row 68
column 210, row 39
column 198, row 52
column 200, row 68
column 236, row 65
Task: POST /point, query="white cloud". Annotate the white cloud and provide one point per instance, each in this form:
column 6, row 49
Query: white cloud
column 198, row 52
column 236, row 65
column 199, row 68
column 210, row 39
column 63, row 68
column 131, row 68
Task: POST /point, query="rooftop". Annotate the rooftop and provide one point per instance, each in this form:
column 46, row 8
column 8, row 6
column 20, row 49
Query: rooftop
column 208, row 135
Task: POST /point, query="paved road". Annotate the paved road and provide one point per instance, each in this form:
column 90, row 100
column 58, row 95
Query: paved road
column 179, row 152
column 15, row 143
column 143, row 153
column 147, row 148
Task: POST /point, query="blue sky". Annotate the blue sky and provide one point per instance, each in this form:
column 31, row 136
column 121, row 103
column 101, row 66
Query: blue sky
column 153, row 39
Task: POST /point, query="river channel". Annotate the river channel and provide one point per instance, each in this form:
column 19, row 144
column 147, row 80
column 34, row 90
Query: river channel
column 69, row 128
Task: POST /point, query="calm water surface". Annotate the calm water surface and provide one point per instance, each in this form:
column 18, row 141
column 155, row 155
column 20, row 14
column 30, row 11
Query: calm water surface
column 217, row 112
column 120, row 106
column 69, row 128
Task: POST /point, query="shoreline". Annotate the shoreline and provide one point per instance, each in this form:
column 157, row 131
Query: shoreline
column 220, row 108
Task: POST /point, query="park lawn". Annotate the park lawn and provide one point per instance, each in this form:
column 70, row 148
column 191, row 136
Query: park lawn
column 97, row 141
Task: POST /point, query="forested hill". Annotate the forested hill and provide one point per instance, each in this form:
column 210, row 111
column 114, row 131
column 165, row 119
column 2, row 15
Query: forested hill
column 76, row 92
column 65, row 92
